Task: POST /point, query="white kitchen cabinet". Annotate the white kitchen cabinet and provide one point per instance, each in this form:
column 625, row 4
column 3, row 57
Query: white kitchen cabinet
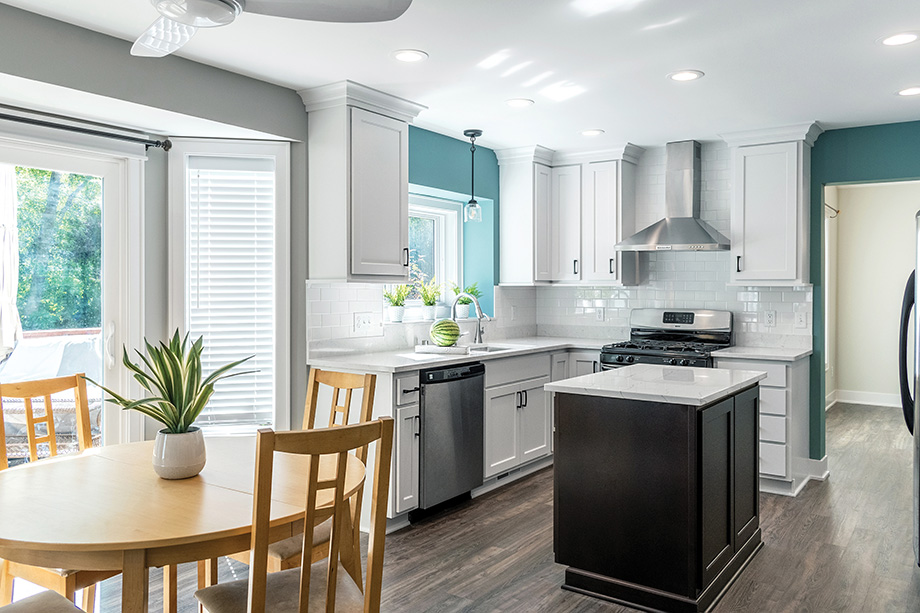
column 358, row 183
column 542, row 239
column 565, row 223
column 406, row 469
column 534, row 424
column 501, row 429
column 770, row 205
column 559, row 366
column 584, row 363
column 608, row 205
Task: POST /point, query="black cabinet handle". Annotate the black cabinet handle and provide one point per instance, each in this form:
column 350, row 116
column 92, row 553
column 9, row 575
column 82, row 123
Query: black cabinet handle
column 525, row 399
column 520, row 400
column 738, row 264
column 412, row 391
column 611, row 266
column 417, row 427
column 575, row 266
column 406, row 253
column 594, row 366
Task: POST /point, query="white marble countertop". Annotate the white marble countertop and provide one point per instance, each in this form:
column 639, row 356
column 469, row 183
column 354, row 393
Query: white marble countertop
column 654, row 383
column 407, row 360
column 782, row 354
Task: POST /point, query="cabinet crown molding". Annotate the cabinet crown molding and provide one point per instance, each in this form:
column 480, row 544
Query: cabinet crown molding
column 349, row 93
column 530, row 153
column 627, row 152
column 806, row 132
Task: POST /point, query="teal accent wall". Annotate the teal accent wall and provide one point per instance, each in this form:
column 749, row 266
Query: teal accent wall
column 889, row 152
column 442, row 162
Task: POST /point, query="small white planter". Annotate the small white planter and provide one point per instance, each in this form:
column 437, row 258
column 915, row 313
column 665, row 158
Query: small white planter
column 395, row 313
column 463, row 311
column 428, row 311
column 179, row 456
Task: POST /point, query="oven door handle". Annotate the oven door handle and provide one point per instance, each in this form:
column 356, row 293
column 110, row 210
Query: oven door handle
column 907, row 305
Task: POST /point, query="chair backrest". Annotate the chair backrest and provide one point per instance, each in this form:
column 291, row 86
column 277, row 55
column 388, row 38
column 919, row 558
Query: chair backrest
column 28, row 391
column 340, row 412
column 314, row 443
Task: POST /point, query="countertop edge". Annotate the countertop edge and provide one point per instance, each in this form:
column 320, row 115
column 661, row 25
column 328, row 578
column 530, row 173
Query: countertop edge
column 773, row 354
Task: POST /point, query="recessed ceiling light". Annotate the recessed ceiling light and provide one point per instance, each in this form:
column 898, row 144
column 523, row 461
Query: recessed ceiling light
column 592, row 132
column 410, row 55
column 910, row 91
column 900, row 39
column 519, row 103
column 686, row 75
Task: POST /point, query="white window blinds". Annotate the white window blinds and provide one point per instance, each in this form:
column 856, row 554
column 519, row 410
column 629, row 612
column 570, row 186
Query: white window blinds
column 230, row 293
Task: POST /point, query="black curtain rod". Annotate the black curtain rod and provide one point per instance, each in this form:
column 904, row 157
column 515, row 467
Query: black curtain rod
column 166, row 145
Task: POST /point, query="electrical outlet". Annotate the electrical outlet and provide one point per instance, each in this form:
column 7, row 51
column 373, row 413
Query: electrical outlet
column 769, row 318
column 599, row 313
column 362, row 321
column 801, row 320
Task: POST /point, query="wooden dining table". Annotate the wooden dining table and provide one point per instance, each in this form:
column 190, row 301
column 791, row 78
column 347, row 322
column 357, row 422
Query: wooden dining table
column 106, row 509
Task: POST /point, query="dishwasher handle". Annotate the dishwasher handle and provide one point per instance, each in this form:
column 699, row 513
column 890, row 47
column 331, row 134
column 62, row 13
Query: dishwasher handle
column 451, row 373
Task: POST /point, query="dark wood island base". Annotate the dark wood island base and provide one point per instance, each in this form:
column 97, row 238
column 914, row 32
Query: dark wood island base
column 656, row 503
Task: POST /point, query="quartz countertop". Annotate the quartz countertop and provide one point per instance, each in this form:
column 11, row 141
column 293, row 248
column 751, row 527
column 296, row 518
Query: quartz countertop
column 655, row 383
column 404, row 360
column 782, row 354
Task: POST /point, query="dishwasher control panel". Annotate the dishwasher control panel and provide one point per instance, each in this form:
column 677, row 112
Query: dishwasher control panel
column 452, row 373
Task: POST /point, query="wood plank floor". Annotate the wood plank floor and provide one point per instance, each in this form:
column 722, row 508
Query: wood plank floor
column 841, row 545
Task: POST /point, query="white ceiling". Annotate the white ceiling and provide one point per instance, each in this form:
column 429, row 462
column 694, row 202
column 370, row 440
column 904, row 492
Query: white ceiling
column 767, row 63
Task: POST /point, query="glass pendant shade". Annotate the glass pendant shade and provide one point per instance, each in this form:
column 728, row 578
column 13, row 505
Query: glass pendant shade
column 472, row 211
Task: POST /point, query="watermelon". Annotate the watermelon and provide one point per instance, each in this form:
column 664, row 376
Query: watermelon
column 444, row 332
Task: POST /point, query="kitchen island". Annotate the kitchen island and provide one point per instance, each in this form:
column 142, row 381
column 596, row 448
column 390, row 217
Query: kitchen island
column 656, row 493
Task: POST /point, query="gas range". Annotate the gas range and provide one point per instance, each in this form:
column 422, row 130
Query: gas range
column 671, row 337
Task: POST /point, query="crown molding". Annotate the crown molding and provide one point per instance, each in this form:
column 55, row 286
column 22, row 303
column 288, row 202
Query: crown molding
column 531, row 154
column 349, row 93
column 627, row 152
column 805, row 132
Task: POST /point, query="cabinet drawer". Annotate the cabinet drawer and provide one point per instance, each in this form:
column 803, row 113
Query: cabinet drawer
column 773, row 428
column 406, row 389
column 773, row 401
column 773, row 459
column 510, row 370
column 776, row 371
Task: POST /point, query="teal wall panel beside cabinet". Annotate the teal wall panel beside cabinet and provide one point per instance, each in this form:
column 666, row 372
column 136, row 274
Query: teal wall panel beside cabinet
column 870, row 154
column 443, row 163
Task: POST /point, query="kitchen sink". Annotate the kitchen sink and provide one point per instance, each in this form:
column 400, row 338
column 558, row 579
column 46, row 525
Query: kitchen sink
column 492, row 348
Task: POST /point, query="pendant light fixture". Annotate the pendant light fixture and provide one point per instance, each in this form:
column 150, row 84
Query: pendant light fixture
column 472, row 211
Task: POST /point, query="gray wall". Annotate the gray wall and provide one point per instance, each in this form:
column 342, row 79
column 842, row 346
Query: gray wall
column 42, row 49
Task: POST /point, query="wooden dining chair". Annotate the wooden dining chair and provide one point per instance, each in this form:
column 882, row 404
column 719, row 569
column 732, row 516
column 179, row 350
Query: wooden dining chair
column 45, row 602
column 286, row 553
column 321, row 585
column 40, row 434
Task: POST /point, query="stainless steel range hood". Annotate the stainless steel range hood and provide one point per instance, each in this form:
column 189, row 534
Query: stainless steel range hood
column 681, row 229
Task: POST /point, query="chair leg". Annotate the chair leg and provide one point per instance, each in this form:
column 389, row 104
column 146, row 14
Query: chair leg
column 89, row 598
column 207, row 576
column 170, row 589
column 6, row 584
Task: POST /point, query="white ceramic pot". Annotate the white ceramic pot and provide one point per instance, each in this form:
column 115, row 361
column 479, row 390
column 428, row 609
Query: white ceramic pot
column 428, row 311
column 179, row 456
column 395, row 313
column 463, row 311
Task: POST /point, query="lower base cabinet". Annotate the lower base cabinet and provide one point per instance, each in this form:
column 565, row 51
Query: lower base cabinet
column 406, row 455
column 517, row 425
column 656, row 504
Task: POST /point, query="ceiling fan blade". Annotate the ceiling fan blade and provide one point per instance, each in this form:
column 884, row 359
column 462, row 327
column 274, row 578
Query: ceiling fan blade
column 344, row 11
column 162, row 38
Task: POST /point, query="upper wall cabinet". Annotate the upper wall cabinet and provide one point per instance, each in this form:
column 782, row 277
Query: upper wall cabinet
column 561, row 216
column 770, row 205
column 358, row 183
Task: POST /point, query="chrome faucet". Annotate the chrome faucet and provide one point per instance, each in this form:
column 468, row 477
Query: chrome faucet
column 477, row 337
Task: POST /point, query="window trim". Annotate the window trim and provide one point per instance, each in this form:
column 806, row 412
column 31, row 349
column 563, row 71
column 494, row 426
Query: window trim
column 177, row 257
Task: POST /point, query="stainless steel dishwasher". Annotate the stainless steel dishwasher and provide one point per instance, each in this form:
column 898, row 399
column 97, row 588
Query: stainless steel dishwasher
column 451, row 416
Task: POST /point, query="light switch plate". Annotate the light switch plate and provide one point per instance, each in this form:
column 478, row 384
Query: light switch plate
column 769, row 318
column 801, row 320
column 600, row 314
column 362, row 321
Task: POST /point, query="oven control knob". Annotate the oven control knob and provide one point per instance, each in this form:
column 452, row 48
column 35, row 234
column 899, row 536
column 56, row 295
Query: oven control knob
column 685, row 362
column 619, row 358
column 630, row 359
column 673, row 361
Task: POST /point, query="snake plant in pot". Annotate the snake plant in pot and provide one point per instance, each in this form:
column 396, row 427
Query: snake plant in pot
column 177, row 393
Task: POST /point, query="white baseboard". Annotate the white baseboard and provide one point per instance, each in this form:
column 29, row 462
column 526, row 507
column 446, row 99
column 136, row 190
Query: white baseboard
column 830, row 400
column 816, row 469
column 873, row 398
column 513, row 475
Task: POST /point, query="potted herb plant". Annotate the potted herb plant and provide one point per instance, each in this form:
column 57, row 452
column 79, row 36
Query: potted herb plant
column 177, row 395
column 430, row 292
column 463, row 305
column 397, row 302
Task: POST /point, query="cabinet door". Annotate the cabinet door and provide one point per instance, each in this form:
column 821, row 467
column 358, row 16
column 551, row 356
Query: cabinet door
column 407, row 458
column 501, row 429
column 543, row 222
column 765, row 212
column 599, row 221
column 715, row 456
column 566, row 223
column 583, row 363
column 746, row 489
column 379, row 238
column 559, row 366
column 534, row 421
